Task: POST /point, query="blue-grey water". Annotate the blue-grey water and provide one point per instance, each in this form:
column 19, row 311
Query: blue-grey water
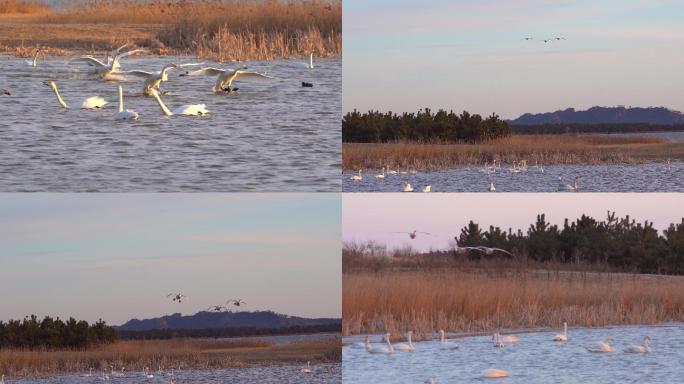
column 282, row 339
column 647, row 177
column 672, row 136
column 535, row 359
column 272, row 135
column 287, row 374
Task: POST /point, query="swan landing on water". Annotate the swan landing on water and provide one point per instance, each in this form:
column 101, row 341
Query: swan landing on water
column 225, row 77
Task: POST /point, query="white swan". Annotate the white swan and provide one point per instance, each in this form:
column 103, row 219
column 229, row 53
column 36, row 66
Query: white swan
column 564, row 336
column 509, row 339
column 497, row 341
column 388, row 350
column 413, row 234
column 427, row 189
column 34, row 62
column 446, row 343
column 154, row 79
column 225, row 77
column 108, row 71
column 494, row 373
column 490, row 187
column 574, row 186
column 124, row 114
column 310, row 66
column 646, row 348
column 408, row 187
column 187, row 109
column 603, row 346
column 147, row 374
column 93, row 102
column 381, row 175
column 408, row 346
column 357, row 177
column 390, row 172
column 307, row 369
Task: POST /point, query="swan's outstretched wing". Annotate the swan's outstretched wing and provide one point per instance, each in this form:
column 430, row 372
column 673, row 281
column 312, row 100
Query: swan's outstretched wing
column 190, row 65
column 117, row 50
column 206, row 71
column 249, row 74
column 124, row 54
column 135, row 72
column 91, row 61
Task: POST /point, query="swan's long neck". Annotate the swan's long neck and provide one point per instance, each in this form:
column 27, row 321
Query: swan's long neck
column 389, row 345
column 161, row 104
column 565, row 329
column 59, row 97
column 409, row 340
column 35, row 58
column 311, row 60
column 441, row 337
column 121, row 107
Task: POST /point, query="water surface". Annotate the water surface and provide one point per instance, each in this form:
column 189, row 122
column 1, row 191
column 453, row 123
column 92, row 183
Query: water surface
column 271, row 136
column 535, row 359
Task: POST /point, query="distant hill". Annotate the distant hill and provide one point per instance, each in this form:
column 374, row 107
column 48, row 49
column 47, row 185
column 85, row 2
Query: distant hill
column 207, row 320
column 604, row 115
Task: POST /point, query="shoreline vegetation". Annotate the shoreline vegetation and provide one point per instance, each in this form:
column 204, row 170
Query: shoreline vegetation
column 428, row 141
column 585, row 273
column 225, row 30
column 134, row 355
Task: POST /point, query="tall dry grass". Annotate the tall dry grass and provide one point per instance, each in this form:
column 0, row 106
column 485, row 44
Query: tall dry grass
column 424, row 301
column 227, row 30
column 548, row 149
column 22, row 7
column 184, row 353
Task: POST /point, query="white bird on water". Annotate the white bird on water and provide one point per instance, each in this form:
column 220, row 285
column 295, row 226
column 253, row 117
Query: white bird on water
column 93, row 102
column 408, row 187
column 381, row 175
column 306, row 369
column 34, row 63
column 564, row 335
column 154, row 79
column 124, row 114
column 603, row 346
column 509, row 339
column 408, row 346
column 225, row 77
column 427, row 189
column 646, row 348
column 497, row 341
column 574, row 186
column 381, row 350
column 495, row 373
column 490, row 187
column 108, row 71
column 187, row 109
column 357, row 177
column 447, row 344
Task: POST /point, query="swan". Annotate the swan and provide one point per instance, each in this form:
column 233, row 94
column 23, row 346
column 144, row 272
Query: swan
column 389, row 172
column 408, row 346
column 357, row 177
column 225, row 77
column 4, row 91
column 381, row 350
column 89, row 374
column 646, row 348
column 509, row 339
column 569, row 187
column 446, row 343
column 412, row 235
column 93, row 102
column 669, row 165
column 427, row 189
column 108, row 71
column 147, row 374
column 310, row 66
column 124, row 114
column 564, row 336
column 154, row 79
column 495, row 373
column 603, row 346
column 431, row 380
column 307, row 369
column 34, row 62
column 381, row 175
column 187, row 109
column 497, row 341
column 490, row 187
column 408, row 187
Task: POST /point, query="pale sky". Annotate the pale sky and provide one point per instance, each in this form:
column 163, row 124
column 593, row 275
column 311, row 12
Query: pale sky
column 374, row 216
column 403, row 55
column 116, row 256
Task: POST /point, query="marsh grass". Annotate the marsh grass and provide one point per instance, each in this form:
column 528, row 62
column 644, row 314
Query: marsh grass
column 184, row 353
column 223, row 30
column 547, row 149
column 22, row 7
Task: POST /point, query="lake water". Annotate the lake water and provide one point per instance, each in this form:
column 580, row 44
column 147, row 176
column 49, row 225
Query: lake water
column 272, row 135
column 535, row 359
column 289, row 374
column 647, row 177
column 282, row 339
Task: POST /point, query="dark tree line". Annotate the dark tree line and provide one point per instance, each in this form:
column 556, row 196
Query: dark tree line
column 620, row 243
column 594, row 128
column 52, row 333
column 423, row 126
column 154, row 334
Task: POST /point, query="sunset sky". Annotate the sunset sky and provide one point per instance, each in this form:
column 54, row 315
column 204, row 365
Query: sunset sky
column 470, row 55
column 373, row 216
column 116, row 256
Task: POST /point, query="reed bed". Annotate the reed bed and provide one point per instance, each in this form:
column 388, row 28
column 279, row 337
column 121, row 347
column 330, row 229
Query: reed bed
column 22, row 7
column 457, row 301
column 547, row 149
column 167, row 354
column 222, row 30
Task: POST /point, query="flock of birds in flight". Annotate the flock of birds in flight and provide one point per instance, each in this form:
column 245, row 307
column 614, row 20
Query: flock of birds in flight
column 110, row 69
column 499, row 341
column 235, row 303
column 457, row 248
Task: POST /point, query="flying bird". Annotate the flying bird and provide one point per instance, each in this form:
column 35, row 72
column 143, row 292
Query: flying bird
column 225, row 77
column 176, row 297
column 217, row 308
column 235, row 302
column 414, row 234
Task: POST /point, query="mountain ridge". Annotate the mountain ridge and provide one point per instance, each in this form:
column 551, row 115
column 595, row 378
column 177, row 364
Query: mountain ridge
column 603, row 115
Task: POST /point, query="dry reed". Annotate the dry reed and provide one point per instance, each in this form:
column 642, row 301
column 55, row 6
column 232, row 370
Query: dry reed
column 424, row 301
column 22, row 7
column 184, row 353
column 547, row 149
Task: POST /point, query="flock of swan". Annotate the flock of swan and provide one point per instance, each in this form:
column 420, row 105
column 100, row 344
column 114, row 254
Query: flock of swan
column 499, row 341
column 110, row 69
column 565, row 184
